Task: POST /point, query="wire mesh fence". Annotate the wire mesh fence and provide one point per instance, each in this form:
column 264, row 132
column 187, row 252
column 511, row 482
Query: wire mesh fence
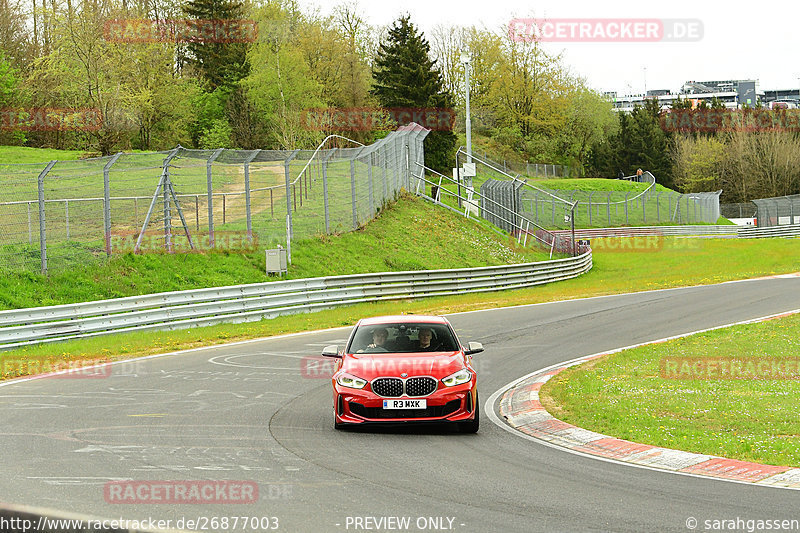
column 777, row 211
column 642, row 204
column 63, row 214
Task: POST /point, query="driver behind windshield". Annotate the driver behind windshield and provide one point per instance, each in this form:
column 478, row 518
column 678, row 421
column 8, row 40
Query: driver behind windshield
column 379, row 336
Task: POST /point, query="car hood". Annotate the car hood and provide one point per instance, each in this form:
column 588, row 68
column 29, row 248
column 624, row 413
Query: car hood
column 370, row 366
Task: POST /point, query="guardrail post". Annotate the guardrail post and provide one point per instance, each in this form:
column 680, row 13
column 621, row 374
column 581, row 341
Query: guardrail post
column 210, row 192
column 42, row 232
column 107, row 201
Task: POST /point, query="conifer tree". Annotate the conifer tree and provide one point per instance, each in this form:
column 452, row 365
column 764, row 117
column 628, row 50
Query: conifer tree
column 405, row 76
column 220, row 59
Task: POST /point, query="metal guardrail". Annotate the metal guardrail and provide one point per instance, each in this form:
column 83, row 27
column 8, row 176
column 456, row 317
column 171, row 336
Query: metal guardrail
column 245, row 303
column 744, row 232
column 667, row 231
column 750, row 232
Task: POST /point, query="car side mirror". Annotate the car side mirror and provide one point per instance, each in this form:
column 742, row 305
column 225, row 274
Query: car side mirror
column 331, row 351
column 473, row 348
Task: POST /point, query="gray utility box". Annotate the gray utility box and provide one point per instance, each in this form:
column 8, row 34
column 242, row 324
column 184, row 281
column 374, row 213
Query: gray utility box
column 276, row 261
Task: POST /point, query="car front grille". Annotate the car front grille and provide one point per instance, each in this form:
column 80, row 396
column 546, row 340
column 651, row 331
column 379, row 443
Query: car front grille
column 416, row 387
column 378, row 413
column 388, row 387
column 395, row 387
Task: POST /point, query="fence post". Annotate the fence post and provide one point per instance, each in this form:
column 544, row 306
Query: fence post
column 353, row 191
column 658, row 206
column 210, row 193
column 289, row 221
column 66, row 216
column 247, row 195
column 167, row 217
column 626, row 207
column 590, row 207
column 644, row 208
column 42, row 232
column 107, row 201
column 326, row 201
column 369, row 185
column 608, row 208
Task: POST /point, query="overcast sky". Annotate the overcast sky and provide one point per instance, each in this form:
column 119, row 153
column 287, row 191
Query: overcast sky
column 753, row 40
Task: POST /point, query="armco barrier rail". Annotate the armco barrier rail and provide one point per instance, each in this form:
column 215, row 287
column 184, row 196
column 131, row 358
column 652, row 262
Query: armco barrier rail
column 25, row 519
column 750, row 232
column 743, row 232
column 245, row 303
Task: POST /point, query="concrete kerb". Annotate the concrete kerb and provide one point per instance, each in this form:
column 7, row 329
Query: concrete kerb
column 524, row 414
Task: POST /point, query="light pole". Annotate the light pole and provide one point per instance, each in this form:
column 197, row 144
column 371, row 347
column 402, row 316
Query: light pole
column 465, row 58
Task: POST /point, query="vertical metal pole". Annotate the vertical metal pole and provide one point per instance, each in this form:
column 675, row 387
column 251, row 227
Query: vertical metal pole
column 30, row 229
column 210, row 194
column 644, row 209
column 42, row 232
column 66, row 214
column 326, row 200
column 289, row 221
column 626, row 207
column 658, row 206
column 590, row 207
column 353, row 191
column 197, row 211
column 608, row 209
column 370, row 187
column 224, row 207
column 271, row 205
column 167, row 215
column 107, row 201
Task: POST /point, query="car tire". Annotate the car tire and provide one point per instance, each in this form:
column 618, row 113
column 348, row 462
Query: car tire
column 471, row 426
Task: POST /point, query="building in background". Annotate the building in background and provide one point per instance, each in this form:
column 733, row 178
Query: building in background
column 734, row 94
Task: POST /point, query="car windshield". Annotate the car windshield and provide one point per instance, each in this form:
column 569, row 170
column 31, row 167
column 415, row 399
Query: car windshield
column 402, row 338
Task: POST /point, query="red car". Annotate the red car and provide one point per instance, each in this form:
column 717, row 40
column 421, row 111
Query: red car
column 401, row 369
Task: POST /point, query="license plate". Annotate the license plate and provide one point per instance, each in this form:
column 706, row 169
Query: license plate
column 405, row 404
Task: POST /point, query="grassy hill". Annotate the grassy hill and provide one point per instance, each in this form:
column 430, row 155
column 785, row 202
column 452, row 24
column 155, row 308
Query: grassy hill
column 409, row 235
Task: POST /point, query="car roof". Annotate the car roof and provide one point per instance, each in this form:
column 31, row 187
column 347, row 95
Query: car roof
column 403, row 319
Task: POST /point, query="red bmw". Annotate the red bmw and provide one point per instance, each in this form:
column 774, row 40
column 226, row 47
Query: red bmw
column 400, row 369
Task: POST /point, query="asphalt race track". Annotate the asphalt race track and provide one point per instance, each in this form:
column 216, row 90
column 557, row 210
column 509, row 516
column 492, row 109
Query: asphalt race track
column 247, row 412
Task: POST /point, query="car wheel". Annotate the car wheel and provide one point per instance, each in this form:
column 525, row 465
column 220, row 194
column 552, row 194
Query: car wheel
column 471, row 426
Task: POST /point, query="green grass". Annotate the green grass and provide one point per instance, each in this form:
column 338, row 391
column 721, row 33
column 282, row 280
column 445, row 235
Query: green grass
column 673, row 265
column 594, row 184
column 635, row 395
column 23, row 154
column 409, row 235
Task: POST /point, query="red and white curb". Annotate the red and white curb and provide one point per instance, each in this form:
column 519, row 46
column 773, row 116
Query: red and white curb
column 520, row 406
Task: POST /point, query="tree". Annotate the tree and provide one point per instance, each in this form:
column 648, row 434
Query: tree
column 405, row 76
column 218, row 62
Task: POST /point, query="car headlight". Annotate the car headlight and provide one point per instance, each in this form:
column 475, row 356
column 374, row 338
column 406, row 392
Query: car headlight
column 462, row 376
column 351, row 381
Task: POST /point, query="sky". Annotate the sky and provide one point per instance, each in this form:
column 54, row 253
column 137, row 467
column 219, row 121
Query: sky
column 739, row 40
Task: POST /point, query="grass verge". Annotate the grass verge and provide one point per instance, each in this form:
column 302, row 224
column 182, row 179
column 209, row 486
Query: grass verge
column 411, row 234
column 676, row 263
column 730, row 392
